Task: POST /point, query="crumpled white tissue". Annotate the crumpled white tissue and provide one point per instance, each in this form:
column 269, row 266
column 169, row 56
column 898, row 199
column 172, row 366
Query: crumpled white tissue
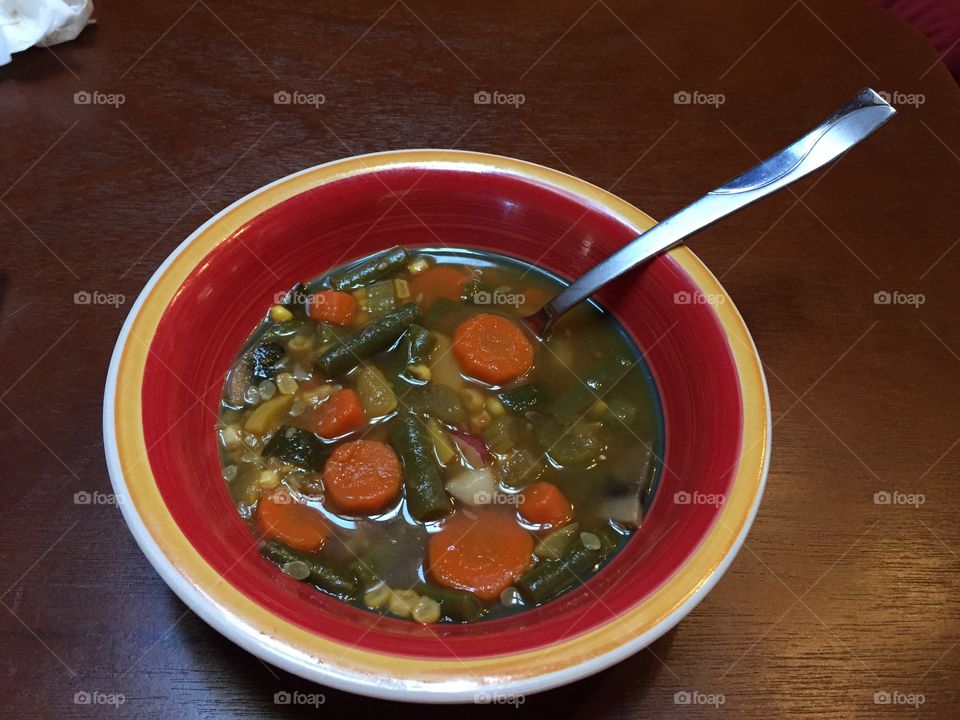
column 25, row 23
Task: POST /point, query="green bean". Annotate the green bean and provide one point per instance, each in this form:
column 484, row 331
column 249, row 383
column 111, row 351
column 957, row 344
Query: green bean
column 374, row 337
column 426, row 498
column 455, row 604
column 549, row 578
column 296, row 301
column 416, row 345
column 376, row 268
column 523, row 398
column 322, row 575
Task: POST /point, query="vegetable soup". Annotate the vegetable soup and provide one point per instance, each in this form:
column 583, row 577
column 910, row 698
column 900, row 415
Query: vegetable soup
column 396, row 437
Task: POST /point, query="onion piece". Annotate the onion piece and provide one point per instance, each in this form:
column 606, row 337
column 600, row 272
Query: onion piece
column 472, row 447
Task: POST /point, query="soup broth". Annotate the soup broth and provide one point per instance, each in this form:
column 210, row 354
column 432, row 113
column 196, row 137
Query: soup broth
column 397, row 438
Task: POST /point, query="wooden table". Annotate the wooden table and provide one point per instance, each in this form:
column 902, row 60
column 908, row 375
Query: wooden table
column 834, row 597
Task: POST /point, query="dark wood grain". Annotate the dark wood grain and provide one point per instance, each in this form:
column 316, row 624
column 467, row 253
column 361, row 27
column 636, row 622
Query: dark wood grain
column 833, row 599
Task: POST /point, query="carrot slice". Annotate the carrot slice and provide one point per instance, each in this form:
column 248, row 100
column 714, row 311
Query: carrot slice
column 483, row 556
column 492, row 348
column 299, row 526
column 332, row 306
column 437, row 282
column 544, row 504
column 362, row 476
column 341, row 413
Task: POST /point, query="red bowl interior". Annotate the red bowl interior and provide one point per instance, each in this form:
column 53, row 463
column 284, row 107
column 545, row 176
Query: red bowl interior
column 226, row 295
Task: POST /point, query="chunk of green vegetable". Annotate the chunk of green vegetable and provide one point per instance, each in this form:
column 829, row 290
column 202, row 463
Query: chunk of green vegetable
column 578, row 445
column 523, row 398
column 438, row 400
column 298, row 447
column 381, row 297
column 417, row 345
column 554, row 545
column 521, row 468
column 499, row 434
column 375, row 392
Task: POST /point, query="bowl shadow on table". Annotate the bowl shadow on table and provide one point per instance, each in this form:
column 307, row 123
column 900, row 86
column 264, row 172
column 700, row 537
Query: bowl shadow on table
column 608, row 693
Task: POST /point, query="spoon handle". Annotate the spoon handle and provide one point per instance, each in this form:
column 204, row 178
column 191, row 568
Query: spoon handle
column 853, row 122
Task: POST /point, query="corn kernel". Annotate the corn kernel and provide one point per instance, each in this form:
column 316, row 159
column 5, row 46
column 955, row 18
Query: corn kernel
column 286, row 384
column 318, row 395
column 269, row 479
column 362, row 317
column 426, row 611
column 300, row 343
column 376, row 596
column 411, row 596
column 417, row 266
column 399, row 606
column 278, row 313
column 472, row 399
column 495, row 407
column 230, row 435
column 422, row 372
column 479, row 421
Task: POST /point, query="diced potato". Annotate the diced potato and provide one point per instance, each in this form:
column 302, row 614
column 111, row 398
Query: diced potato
column 267, row 414
column 443, row 365
column 473, row 487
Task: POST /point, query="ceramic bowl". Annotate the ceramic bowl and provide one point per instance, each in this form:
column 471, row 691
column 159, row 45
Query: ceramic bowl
column 166, row 376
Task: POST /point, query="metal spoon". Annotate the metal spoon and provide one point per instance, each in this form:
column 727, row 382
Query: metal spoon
column 853, row 122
